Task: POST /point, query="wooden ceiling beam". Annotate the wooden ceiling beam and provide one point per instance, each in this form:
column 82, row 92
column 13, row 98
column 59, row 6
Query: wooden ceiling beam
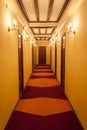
column 50, row 9
column 41, row 24
column 42, row 27
column 46, row 31
column 42, row 35
column 23, row 9
column 36, row 9
column 63, row 9
column 39, row 31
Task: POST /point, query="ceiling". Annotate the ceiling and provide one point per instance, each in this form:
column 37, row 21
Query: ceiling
column 42, row 15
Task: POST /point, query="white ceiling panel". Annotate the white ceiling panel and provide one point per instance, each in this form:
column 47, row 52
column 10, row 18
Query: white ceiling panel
column 38, row 38
column 40, row 24
column 42, row 31
column 36, row 31
column 30, row 8
column 42, row 35
column 43, row 9
column 57, row 6
column 49, row 30
column 42, row 38
column 46, row 38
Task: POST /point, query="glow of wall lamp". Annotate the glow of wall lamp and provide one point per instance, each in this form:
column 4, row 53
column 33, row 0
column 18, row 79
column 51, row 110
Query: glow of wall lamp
column 71, row 29
column 12, row 25
column 26, row 37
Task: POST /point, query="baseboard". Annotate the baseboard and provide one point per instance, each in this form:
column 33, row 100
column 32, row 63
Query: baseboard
column 74, row 111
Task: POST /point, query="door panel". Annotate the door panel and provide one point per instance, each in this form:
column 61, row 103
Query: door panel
column 33, row 57
column 63, row 61
column 55, row 57
column 20, row 56
column 51, row 56
column 42, row 55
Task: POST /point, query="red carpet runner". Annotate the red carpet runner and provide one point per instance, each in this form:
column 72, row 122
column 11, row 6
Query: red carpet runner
column 43, row 105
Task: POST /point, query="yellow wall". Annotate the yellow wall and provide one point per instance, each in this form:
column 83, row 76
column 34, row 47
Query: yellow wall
column 27, row 59
column 46, row 44
column 76, row 62
column 9, row 77
column 9, row 93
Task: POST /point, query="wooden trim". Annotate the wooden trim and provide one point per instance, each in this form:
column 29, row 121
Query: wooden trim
column 39, row 31
column 43, row 21
column 45, row 31
column 42, row 35
column 56, row 58
column 52, row 31
column 36, row 9
column 20, row 64
column 23, row 9
column 63, row 9
column 32, row 30
column 63, row 49
column 43, row 27
column 50, row 9
column 44, row 24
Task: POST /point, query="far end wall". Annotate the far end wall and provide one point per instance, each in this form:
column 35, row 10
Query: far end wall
column 46, row 44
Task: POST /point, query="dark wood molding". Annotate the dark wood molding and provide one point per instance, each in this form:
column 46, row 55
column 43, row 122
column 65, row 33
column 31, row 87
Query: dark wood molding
column 44, row 24
column 45, row 31
column 42, row 34
column 23, row 9
column 39, row 31
column 50, row 9
column 52, row 31
column 36, row 9
column 63, row 9
column 63, row 49
column 32, row 30
column 43, row 21
column 20, row 64
column 43, row 27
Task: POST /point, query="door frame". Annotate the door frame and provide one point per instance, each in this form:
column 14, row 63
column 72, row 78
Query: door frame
column 50, row 55
column 55, row 58
column 63, row 48
column 20, row 46
column 33, row 57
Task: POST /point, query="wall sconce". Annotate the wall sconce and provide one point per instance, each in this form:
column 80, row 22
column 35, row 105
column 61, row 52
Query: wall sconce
column 26, row 36
column 70, row 28
column 58, row 38
column 12, row 25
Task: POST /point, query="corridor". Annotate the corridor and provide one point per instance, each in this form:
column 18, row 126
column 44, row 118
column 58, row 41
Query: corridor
column 43, row 105
column 43, row 64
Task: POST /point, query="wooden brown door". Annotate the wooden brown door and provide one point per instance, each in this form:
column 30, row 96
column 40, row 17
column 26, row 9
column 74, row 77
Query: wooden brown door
column 33, row 56
column 42, row 55
column 63, row 60
column 20, row 56
column 51, row 56
column 55, row 57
